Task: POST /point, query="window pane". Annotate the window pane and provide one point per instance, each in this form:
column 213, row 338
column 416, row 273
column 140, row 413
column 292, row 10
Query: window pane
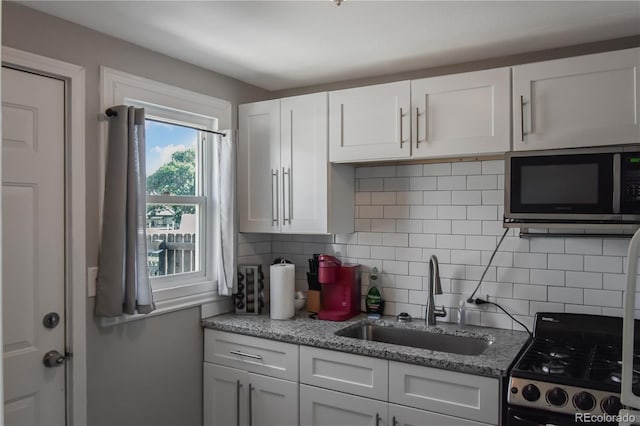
column 172, row 163
column 172, row 239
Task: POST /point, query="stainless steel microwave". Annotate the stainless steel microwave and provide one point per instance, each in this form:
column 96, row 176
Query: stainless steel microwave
column 573, row 186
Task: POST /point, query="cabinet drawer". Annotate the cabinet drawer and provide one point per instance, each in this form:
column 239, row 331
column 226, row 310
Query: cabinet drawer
column 406, row 416
column 444, row 391
column 354, row 374
column 262, row 356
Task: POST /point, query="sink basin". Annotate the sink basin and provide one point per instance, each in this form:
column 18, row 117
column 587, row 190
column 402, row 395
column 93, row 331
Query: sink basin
column 462, row 345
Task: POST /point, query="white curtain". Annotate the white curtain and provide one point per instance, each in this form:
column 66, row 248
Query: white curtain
column 123, row 285
column 225, row 184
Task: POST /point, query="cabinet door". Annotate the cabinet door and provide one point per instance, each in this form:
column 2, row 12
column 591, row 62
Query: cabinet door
column 259, row 171
column 445, row 392
column 225, row 396
column 321, row 407
column 304, row 163
column 272, row 402
column 582, row 101
column 370, row 123
column 461, row 114
column 405, row 416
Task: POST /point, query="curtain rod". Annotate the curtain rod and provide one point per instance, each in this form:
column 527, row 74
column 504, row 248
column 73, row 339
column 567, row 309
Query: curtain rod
column 111, row 113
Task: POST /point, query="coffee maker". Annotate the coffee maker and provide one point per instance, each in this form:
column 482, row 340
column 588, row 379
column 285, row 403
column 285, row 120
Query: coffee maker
column 340, row 285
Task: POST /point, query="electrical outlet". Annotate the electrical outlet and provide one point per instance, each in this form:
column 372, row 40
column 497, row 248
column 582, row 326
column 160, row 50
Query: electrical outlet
column 92, row 277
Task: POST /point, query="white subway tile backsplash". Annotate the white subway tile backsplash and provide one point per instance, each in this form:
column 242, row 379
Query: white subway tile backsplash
column 583, row 246
column 603, row 264
column 440, row 169
column 466, row 168
column 395, row 239
column 466, row 198
column 482, row 182
column 566, row 295
column 584, row 279
column 482, row 212
column 370, row 184
column 383, row 225
column 409, row 197
column 452, row 212
column 413, row 226
column 396, row 212
column 451, row 182
column 406, row 213
column 423, row 212
column 437, row 197
column 530, row 260
column 396, row 184
column 607, row 298
column 422, row 183
column 383, row 198
column 567, row 262
column 493, row 167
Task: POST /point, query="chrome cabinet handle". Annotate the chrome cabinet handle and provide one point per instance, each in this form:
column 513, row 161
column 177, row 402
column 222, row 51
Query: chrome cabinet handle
column 286, row 206
column 290, row 195
column 418, row 127
column 284, row 199
column 394, row 422
column 377, row 419
column 251, row 388
column 238, row 386
column 244, row 354
column 274, row 219
column 522, row 132
column 400, row 123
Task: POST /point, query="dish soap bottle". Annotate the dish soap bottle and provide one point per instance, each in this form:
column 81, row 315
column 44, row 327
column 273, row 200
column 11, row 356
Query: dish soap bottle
column 374, row 301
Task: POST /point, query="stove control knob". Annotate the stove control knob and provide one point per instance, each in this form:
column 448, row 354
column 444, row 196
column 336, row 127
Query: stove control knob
column 557, row 397
column 531, row 392
column 584, row 401
column 611, row 405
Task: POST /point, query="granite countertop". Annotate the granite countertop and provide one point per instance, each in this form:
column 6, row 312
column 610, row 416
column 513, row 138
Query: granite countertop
column 301, row 330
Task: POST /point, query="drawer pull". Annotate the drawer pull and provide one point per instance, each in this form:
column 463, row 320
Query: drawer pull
column 246, row 354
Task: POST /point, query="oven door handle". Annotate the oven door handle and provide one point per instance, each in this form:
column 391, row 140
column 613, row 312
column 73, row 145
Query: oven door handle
column 527, row 422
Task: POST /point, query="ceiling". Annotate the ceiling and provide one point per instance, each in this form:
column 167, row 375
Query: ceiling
column 285, row 44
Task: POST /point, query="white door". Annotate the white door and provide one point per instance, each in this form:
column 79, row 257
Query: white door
column 321, row 407
column 272, row 402
column 461, row 114
column 573, row 102
column 370, row 123
column 33, row 247
column 225, row 395
column 304, row 164
column 259, row 174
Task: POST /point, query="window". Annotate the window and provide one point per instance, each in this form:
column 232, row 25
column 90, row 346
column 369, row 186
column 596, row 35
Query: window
column 180, row 196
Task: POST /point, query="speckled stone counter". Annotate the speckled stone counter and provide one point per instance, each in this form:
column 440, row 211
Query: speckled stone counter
column 301, row 330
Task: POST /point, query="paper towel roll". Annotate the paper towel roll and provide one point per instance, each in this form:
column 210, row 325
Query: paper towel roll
column 282, row 291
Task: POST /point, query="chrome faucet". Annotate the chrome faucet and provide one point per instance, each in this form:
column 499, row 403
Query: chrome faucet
column 434, row 288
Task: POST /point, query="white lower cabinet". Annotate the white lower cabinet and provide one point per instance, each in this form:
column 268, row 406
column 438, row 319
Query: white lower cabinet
column 406, row 416
column 322, row 407
column 235, row 397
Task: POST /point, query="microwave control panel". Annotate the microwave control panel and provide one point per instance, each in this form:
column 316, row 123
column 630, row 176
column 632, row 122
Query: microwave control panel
column 630, row 183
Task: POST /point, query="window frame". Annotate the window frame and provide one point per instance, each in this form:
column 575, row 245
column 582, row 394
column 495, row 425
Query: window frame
column 179, row 106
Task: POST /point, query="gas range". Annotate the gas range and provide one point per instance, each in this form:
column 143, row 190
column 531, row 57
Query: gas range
column 572, row 365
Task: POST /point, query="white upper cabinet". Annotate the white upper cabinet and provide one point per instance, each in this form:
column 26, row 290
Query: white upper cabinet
column 370, row 123
column 461, row 114
column 575, row 102
column 285, row 182
column 259, row 166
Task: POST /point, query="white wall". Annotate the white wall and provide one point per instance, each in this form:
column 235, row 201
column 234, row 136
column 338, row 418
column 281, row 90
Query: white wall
column 406, row 213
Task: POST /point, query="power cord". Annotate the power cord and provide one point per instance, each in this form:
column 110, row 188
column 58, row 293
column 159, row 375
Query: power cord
column 479, row 301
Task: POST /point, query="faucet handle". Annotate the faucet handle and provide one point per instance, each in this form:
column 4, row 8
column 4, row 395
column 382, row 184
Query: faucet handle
column 440, row 312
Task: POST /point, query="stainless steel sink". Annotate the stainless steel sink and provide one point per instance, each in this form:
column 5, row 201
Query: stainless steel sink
column 462, row 345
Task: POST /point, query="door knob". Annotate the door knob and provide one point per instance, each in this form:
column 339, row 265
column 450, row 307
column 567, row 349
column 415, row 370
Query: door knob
column 53, row 359
column 51, row 320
